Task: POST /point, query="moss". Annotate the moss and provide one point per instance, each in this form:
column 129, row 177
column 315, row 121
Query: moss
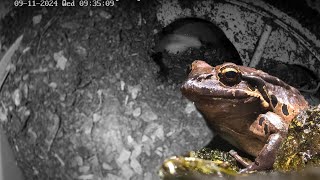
column 221, row 158
column 301, row 148
column 202, row 162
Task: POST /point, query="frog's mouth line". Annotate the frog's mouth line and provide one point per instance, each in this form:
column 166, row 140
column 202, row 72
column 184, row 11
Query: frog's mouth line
column 213, row 99
column 205, row 93
column 222, row 98
column 214, row 89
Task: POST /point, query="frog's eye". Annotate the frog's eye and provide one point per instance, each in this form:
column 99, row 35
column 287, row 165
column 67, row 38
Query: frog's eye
column 229, row 75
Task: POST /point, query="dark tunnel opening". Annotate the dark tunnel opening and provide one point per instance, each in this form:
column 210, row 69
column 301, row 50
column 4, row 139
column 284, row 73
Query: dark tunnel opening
column 189, row 39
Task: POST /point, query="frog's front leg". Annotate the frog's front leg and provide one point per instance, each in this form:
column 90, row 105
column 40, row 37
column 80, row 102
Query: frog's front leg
column 273, row 129
column 267, row 155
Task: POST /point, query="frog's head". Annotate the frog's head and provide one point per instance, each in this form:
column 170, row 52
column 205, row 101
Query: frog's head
column 235, row 88
column 223, row 82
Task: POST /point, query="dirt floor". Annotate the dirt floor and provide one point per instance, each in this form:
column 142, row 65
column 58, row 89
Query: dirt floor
column 86, row 100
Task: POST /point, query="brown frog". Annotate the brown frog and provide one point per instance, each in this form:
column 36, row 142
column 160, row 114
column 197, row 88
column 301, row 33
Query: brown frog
column 247, row 107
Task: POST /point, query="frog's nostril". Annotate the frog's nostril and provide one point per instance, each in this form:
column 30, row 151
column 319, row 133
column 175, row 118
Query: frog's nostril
column 203, row 77
column 199, row 79
column 208, row 76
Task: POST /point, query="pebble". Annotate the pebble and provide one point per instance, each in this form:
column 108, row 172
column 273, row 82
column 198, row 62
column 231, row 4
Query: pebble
column 3, row 115
column 136, row 112
column 79, row 160
column 60, row 59
column 135, row 165
column 134, row 90
column 106, row 166
column 139, row 19
column 118, row 74
column 25, row 90
column 122, row 84
column 25, row 77
column 159, row 151
column 62, row 96
column 70, row 25
column 53, row 85
column 145, row 138
column 147, row 114
column 52, row 129
column 94, row 161
column 123, row 157
column 17, row 97
column 189, row 108
column 84, row 169
column 159, row 133
column 12, row 68
column 24, row 113
column 47, row 57
column 126, row 100
column 148, row 175
column 105, row 15
column 129, row 107
column 81, row 51
column 96, row 117
column 86, row 177
column 130, row 139
column 127, row 171
column 36, row 19
column 113, row 177
column 35, row 171
column 136, row 152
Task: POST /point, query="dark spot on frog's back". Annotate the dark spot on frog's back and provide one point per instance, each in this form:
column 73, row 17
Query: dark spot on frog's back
column 266, row 129
column 261, row 121
column 285, row 109
column 274, row 100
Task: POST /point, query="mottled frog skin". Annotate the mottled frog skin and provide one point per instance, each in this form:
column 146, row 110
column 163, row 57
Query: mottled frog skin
column 247, row 107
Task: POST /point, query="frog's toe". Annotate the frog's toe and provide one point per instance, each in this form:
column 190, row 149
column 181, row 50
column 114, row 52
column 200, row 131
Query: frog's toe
column 252, row 167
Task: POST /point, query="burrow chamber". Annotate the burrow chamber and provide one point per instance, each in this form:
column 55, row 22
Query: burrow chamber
column 252, row 34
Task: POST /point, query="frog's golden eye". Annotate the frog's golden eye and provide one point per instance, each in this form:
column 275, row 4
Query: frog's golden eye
column 229, row 75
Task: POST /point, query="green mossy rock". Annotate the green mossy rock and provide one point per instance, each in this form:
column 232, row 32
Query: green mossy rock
column 202, row 162
column 301, row 148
